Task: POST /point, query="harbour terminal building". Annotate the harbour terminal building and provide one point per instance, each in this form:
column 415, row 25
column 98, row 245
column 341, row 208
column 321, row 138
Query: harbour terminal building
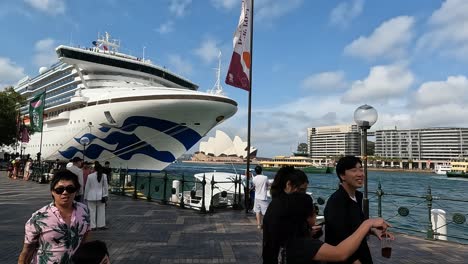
column 422, row 148
column 327, row 142
column 426, row 147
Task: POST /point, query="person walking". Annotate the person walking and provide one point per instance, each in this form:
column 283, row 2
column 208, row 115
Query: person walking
column 76, row 168
column 261, row 202
column 96, row 194
column 55, row 231
column 343, row 212
column 27, row 169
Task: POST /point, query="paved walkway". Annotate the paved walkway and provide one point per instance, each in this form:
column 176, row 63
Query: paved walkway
column 146, row 232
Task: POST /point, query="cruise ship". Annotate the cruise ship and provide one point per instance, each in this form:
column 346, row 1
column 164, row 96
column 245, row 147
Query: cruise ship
column 135, row 114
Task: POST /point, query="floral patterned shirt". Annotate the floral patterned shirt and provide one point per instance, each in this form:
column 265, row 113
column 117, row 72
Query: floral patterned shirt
column 56, row 240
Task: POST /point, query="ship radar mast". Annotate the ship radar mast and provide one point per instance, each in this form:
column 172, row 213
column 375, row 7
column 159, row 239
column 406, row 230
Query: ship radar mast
column 107, row 43
column 217, row 88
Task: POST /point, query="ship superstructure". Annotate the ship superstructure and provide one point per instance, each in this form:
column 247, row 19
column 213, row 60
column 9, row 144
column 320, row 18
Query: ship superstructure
column 135, row 114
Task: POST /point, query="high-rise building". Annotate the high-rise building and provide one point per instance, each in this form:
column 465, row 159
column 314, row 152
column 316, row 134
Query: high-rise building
column 437, row 144
column 329, row 141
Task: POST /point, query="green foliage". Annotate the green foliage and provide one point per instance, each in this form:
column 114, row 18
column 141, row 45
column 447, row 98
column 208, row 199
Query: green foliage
column 10, row 102
column 370, row 148
column 302, row 148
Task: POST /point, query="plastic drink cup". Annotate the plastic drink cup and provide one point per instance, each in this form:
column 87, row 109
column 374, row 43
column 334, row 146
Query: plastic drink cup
column 386, row 245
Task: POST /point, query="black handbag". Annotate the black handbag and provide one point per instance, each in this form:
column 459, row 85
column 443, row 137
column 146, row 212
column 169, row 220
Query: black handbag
column 104, row 199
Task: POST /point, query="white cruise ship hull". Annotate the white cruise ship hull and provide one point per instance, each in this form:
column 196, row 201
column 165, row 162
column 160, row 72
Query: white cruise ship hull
column 142, row 129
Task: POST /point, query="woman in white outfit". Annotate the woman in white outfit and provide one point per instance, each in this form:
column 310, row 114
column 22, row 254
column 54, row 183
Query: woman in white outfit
column 96, row 193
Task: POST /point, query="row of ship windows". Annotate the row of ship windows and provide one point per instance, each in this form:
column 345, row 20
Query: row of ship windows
column 47, row 145
column 61, row 90
column 51, row 79
column 76, row 121
column 56, row 113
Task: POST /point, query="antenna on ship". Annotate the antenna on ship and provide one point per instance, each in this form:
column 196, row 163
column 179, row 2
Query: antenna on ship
column 107, row 43
column 217, row 88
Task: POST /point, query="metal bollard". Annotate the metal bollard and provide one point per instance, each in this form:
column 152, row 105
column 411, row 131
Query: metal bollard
column 240, row 192
column 234, row 205
column 379, row 195
column 122, row 180
column 182, row 204
column 164, row 201
column 430, row 231
column 203, row 208
column 148, row 197
column 135, row 195
column 211, row 209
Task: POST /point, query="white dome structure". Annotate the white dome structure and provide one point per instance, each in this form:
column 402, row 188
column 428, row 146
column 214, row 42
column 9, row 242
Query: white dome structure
column 222, row 145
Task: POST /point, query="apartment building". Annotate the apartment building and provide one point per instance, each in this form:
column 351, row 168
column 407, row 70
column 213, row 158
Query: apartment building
column 329, row 141
column 432, row 144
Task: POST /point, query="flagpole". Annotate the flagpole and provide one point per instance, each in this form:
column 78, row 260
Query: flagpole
column 249, row 112
column 42, row 130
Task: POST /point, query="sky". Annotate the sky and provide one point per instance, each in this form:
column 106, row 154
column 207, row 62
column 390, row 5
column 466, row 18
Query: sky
column 313, row 61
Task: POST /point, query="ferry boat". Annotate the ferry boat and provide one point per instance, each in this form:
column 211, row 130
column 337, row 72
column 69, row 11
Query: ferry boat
column 135, row 114
column 303, row 163
column 442, row 169
column 459, row 170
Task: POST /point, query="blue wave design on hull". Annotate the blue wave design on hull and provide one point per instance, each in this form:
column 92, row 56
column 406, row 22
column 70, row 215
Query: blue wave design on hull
column 188, row 137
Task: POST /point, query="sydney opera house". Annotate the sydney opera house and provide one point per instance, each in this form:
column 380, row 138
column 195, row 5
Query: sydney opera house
column 221, row 148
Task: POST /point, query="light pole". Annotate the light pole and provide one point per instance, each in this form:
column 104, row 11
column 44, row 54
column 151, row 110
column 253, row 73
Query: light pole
column 84, row 141
column 365, row 116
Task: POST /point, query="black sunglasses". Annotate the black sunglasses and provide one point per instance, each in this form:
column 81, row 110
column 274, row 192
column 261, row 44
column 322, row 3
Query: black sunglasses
column 69, row 189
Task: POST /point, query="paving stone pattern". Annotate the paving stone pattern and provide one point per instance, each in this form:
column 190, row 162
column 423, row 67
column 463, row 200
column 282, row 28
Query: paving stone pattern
column 146, row 232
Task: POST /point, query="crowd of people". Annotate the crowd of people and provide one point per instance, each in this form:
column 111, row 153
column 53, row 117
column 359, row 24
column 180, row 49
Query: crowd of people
column 59, row 231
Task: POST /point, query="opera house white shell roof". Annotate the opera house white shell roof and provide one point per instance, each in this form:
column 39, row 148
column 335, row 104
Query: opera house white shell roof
column 222, row 144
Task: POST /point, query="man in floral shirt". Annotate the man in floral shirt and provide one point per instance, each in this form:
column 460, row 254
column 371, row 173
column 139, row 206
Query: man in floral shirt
column 55, row 231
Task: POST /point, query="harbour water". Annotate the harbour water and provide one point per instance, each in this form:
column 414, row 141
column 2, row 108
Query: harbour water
column 401, row 189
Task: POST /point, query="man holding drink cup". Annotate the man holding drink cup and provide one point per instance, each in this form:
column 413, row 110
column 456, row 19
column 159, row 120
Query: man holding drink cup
column 343, row 212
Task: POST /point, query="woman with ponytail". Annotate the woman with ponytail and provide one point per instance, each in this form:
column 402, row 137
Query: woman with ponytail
column 96, row 193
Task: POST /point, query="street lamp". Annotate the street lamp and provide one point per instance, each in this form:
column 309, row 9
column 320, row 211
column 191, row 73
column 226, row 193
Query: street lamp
column 365, row 116
column 84, row 141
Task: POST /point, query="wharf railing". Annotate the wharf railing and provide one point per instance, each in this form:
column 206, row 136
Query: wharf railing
column 192, row 194
column 418, row 215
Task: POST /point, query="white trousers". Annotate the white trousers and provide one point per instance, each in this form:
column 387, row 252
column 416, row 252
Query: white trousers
column 97, row 213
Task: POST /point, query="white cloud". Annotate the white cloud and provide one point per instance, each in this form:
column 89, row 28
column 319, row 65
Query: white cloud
column 52, row 7
column 9, row 72
column 383, row 83
column 45, row 52
column 208, row 51
column 345, row 12
column 166, row 27
column 389, row 40
column 226, row 4
column 268, row 10
column 448, row 32
column 452, row 91
column 325, row 81
column 179, row 65
column 179, row 7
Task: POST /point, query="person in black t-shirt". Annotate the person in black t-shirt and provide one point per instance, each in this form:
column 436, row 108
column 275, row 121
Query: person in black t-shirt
column 343, row 212
column 288, row 225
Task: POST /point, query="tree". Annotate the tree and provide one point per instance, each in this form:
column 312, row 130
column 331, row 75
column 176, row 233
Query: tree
column 10, row 101
column 302, row 148
column 370, row 148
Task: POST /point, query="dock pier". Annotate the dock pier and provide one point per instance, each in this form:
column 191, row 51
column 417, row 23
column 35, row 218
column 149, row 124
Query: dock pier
column 148, row 232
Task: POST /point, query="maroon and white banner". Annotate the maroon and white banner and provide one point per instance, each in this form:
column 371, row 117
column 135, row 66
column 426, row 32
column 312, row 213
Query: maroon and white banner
column 239, row 68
